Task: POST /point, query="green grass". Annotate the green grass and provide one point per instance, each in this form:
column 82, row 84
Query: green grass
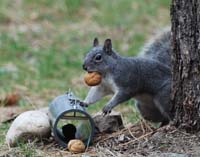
column 45, row 41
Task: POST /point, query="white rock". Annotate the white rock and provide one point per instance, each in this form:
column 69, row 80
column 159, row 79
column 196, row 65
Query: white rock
column 28, row 124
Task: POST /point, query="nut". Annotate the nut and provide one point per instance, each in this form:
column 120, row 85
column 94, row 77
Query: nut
column 76, row 146
column 92, row 79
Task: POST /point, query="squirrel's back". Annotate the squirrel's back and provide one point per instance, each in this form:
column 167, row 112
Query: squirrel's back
column 159, row 48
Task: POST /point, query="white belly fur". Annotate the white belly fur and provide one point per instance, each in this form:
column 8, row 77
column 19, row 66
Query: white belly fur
column 109, row 84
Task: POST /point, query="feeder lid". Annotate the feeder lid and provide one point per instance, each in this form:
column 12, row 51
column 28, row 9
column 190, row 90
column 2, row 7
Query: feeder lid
column 66, row 102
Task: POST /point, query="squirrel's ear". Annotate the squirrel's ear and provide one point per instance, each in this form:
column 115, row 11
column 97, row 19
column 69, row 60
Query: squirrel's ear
column 95, row 42
column 108, row 46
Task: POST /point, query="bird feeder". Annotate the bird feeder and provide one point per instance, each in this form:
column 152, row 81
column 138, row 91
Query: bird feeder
column 70, row 120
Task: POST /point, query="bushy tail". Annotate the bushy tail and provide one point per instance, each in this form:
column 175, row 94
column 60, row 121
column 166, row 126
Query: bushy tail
column 159, row 48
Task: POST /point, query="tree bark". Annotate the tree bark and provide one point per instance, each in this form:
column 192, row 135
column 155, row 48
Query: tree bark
column 185, row 95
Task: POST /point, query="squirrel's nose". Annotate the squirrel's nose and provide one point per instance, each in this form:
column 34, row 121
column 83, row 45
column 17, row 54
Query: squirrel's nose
column 84, row 67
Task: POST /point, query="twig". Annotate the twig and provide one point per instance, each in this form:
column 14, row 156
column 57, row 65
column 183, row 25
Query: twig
column 139, row 138
column 116, row 134
column 110, row 152
column 29, row 101
column 145, row 125
column 143, row 136
column 102, row 152
column 132, row 134
column 141, row 123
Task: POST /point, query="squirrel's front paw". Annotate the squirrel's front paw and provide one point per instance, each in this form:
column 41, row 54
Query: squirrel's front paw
column 107, row 110
column 83, row 104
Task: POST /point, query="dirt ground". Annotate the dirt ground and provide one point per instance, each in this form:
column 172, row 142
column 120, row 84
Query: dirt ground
column 134, row 140
column 142, row 140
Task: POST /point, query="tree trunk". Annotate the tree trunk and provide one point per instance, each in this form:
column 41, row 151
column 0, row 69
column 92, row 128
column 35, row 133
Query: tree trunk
column 185, row 95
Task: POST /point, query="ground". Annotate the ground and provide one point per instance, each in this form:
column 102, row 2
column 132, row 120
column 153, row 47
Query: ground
column 42, row 46
column 137, row 140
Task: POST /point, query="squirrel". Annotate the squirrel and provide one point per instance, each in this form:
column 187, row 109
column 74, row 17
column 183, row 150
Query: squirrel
column 146, row 78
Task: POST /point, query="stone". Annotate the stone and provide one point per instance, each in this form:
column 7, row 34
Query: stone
column 109, row 123
column 28, row 125
column 121, row 138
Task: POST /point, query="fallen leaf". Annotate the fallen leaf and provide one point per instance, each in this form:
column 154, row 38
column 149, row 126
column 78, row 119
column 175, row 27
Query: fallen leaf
column 10, row 100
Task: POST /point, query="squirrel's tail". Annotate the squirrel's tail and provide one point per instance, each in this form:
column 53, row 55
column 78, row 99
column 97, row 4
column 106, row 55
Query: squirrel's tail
column 159, row 48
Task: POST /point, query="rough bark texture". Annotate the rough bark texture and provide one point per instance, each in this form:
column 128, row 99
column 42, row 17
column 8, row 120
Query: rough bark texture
column 186, row 63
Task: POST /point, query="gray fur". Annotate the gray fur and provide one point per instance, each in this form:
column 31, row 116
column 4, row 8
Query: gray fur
column 159, row 48
column 147, row 78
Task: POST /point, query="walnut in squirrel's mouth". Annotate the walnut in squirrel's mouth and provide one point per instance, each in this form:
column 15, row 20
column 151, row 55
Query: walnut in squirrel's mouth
column 93, row 78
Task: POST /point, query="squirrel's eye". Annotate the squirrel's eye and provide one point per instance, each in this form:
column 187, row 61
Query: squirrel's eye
column 98, row 57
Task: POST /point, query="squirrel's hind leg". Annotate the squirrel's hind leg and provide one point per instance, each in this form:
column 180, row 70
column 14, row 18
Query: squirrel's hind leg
column 149, row 112
column 162, row 102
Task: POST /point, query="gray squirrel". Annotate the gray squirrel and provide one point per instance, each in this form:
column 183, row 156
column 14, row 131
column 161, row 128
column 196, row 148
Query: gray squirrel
column 146, row 78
